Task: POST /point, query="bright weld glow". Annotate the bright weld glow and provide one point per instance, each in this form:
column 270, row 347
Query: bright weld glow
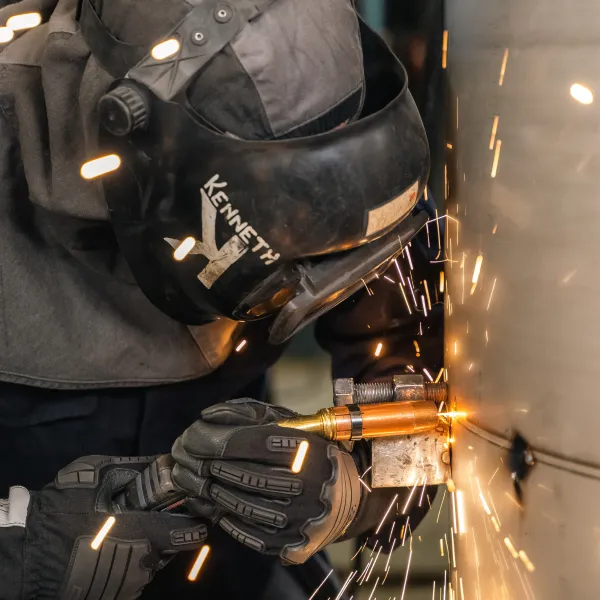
column 410, row 368
column 409, row 497
column 439, row 375
column 444, row 48
column 241, row 345
column 511, row 547
column 495, row 524
column 406, row 575
column 193, row 574
column 165, row 49
column 503, row 67
column 453, row 415
column 442, row 282
column 24, row 21
column 406, row 300
column 494, row 130
column 496, row 158
column 361, row 480
column 378, row 349
column 428, row 374
column 491, row 293
column 387, row 512
column 427, row 294
column 424, row 305
column 108, row 525
column 6, row 35
column 451, row 485
column 300, row 455
column 476, row 272
column 581, row 93
column 100, row 166
column 409, row 258
column 321, row 584
column 460, row 507
column 525, row 559
column 184, row 248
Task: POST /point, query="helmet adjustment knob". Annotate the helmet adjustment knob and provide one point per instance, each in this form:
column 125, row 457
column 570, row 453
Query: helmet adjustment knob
column 122, row 111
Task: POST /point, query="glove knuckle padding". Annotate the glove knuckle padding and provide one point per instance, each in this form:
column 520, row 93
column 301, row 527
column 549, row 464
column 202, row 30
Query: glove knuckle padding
column 340, row 496
column 188, row 481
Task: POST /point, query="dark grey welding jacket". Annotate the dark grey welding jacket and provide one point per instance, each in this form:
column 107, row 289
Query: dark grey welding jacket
column 70, row 314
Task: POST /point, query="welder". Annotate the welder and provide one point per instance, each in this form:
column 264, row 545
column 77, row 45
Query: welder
column 176, row 178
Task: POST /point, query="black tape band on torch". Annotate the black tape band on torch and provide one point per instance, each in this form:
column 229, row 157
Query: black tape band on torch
column 356, row 422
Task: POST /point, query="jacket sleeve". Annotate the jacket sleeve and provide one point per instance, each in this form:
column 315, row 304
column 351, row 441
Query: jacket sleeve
column 410, row 340
column 12, row 543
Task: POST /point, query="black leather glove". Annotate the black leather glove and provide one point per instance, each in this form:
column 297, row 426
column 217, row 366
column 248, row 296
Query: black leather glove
column 47, row 535
column 237, row 465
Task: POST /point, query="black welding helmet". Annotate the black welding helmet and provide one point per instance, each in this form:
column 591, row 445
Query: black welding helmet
column 284, row 223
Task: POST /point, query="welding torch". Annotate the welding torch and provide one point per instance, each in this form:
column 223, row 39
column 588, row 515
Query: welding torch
column 411, row 408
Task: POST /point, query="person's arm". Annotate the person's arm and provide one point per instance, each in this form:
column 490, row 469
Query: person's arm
column 46, row 537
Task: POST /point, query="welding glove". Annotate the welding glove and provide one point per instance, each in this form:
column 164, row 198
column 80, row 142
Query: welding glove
column 236, row 463
column 46, row 537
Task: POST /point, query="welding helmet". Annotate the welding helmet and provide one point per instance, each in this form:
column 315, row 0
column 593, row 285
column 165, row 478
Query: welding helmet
column 216, row 221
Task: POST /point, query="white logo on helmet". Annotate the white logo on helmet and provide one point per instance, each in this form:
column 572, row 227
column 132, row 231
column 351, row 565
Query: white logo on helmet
column 220, row 259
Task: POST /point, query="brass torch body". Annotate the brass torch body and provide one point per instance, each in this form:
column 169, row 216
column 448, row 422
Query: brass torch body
column 353, row 422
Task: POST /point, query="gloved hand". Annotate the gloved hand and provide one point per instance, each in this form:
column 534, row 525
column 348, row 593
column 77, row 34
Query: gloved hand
column 46, row 536
column 236, row 463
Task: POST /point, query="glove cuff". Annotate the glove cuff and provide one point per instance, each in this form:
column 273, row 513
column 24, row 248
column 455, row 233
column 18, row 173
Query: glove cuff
column 13, row 517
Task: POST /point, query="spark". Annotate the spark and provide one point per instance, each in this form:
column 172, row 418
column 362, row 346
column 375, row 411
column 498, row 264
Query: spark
column 445, row 181
column 439, row 375
column 361, row 549
column 417, row 349
column 364, row 573
column 442, row 282
column 389, row 279
column 494, row 508
column 399, row 271
column 462, row 267
column 494, row 475
column 581, row 93
column 378, row 349
column 494, row 129
column 165, row 49
column 100, row 166
column 406, row 575
column 442, row 547
column 449, row 146
column 240, row 345
column 193, row 574
column 456, row 113
column 373, row 590
column 408, row 257
column 444, row 48
column 321, row 584
column 387, row 564
column 409, row 497
column 495, row 524
column 460, row 505
column 368, row 289
column 373, row 565
column 511, row 547
column 412, row 291
column 453, row 496
column 410, row 368
column 444, row 584
column 476, row 272
column 462, row 591
column 471, row 366
column 442, row 504
column 24, row 21
column 491, row 294
column 387, row 572
column 108, row 525
column 455, row 347
column 428, row 375
column 425, row 193
column 496, row 158
column 525, row 559
column 368, row 488
column 423, row 491
column 368, row 469
column 6, row 35
column 184, row 248
column 513, row 500
column 387, row 512
column 433, row 594
column 405, row 300
column 439, row 235
column 503, row 67
column 453, row 548
column 300, row 455
column 405, row 529
column 428, row 238
column 427, row 294
column 391, row 531
column 487, row 339
column 420, row 328
column 495, row 229
column 346, row 584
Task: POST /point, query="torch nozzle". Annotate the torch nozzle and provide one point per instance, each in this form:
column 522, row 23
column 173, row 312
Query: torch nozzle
column 354, row 422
